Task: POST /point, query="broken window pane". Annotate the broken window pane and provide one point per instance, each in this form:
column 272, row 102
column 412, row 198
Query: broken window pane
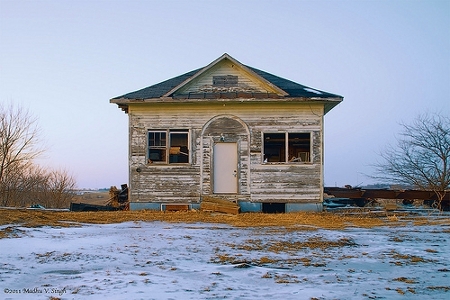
column 179, row 150
column 274, row 147
column 299, row 145
column 175, row 149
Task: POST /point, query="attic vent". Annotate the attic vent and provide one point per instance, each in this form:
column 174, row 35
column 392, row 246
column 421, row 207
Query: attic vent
column 225, row 80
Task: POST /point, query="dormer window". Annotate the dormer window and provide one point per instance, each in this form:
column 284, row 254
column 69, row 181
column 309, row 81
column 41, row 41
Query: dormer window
column 225, row 80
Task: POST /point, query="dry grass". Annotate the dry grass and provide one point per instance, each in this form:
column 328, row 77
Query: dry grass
column 35, row 218
column 292, row 221
column 287, row 246
column 406, row 280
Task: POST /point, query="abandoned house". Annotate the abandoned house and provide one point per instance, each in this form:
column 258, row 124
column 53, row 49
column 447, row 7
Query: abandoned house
column 227, row 131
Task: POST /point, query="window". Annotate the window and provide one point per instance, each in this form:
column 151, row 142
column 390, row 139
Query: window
column 225, row 80
column 274, row 147
column 179, row 150
column 168, row 146
column 157, row 146
column 287, row 147
column 299, row 147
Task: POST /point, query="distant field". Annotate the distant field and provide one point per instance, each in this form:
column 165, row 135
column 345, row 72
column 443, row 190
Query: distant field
column 98, row 198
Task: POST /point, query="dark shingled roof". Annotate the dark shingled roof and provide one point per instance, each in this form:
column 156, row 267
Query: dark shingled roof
column 159, row 89
column 292, row 88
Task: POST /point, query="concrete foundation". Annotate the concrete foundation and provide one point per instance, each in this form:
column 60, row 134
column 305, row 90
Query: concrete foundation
column 244, row 206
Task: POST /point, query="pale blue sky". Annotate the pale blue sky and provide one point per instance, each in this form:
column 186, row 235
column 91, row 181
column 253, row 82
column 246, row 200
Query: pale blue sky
column 64, row 60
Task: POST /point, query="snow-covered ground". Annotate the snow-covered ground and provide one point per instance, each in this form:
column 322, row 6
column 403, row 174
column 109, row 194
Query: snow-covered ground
column 155, row 260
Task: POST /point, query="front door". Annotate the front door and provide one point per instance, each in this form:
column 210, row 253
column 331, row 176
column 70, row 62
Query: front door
column 225, row 164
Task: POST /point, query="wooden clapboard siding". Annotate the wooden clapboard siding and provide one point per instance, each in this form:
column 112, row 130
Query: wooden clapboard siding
column 243, row 123
column 206, row 174
column 167, row 184
column 246, row 82
column 287, row 182
column 312, row 197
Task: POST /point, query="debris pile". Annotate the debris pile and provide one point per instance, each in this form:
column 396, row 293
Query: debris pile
column 118, row 200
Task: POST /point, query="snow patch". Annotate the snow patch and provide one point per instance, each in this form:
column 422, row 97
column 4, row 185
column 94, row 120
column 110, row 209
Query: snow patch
column 313, row 91
column 156, row 260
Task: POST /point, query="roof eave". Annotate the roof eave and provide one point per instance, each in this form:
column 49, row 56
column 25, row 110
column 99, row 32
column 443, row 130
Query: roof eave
column 329, row 102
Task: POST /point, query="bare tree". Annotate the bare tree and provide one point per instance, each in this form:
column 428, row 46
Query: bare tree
column 19, row 136
column 21, row 181
column 421, row 158
column 60, row 189
column 31, row 186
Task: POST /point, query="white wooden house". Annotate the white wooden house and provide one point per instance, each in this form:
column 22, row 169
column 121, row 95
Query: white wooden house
column 230, row 131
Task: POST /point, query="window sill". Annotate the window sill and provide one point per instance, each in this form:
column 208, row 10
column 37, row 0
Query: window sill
column 300, row 163
column 166, row 164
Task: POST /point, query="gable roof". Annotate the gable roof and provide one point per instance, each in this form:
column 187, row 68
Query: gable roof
column 160, row 89
column 280, row 87
column 244, row 70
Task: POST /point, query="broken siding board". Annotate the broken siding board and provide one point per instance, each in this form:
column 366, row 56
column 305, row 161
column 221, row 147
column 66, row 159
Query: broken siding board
column 176, row 207
column 214, row 207
column 224, row 68
column 219, row 204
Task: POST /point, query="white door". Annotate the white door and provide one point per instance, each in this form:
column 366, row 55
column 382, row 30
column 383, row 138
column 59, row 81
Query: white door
column 225, row 168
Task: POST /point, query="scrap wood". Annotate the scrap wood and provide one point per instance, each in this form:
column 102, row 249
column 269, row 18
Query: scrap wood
column 215, row 204
column 113, row 197
column 177, row 207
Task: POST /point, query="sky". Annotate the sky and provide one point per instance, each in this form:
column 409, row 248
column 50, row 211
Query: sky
column 64, row 60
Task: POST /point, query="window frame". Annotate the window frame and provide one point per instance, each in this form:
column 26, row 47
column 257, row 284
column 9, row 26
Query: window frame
column 167, row 148
column 285, row 150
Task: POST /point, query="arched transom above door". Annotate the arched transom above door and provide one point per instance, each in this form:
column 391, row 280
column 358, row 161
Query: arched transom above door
column 228, row 125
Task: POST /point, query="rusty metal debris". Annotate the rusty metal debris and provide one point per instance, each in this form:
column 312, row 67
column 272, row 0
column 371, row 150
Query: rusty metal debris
column 362, row 197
